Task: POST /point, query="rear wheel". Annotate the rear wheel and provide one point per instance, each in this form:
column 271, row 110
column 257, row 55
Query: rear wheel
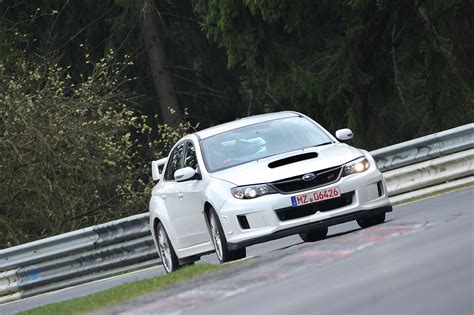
column 314, row 235
column 372, row 220
column 219, row 241
column 166, row 250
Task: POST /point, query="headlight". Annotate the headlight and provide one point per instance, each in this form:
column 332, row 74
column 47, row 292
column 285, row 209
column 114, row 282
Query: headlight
column 253, row 191
column 357, row 166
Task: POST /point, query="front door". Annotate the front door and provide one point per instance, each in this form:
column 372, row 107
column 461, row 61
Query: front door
column 183, row 199
column 190, row 199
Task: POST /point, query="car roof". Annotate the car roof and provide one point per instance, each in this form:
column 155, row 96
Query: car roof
column 243, row 122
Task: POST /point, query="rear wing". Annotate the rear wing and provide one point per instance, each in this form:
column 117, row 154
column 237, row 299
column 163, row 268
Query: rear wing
column 157, row 168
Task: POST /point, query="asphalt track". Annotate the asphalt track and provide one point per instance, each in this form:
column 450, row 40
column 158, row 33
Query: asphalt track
column 420, row 261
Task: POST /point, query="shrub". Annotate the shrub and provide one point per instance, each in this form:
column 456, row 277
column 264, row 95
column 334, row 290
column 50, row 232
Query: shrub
column 72, row 155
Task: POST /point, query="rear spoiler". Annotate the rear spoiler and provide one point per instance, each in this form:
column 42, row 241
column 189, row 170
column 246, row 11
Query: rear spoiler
column 156, row 168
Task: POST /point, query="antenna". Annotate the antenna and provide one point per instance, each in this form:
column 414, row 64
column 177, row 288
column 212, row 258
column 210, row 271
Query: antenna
column 274, row 99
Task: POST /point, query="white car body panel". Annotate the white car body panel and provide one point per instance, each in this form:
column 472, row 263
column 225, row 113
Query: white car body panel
column 181, row 206
column 257, row 172
column 366, row 197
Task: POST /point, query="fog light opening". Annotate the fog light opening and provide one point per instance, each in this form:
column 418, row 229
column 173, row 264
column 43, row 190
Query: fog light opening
column 244, row 223
column 380, row 188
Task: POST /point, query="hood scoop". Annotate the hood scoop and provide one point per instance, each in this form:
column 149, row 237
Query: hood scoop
column 293, row 159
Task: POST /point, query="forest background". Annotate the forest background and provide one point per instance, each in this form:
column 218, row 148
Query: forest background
column 92, row 91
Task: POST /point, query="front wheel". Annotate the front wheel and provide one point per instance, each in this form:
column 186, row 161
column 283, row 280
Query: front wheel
column 372, row 220
column 166, row 250
column 314, row 235
column 220, row 243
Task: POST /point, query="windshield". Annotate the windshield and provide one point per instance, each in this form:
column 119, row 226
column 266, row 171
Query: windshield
column 258, row 141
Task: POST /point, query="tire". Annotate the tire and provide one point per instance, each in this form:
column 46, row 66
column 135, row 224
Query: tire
column 314, row 235
column 165, row 250
column 372, row 220
column 219, row 241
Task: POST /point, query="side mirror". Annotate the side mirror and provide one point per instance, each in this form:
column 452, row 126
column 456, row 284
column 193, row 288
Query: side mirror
column 184, row 174
column 155, row 169
column 344, row 134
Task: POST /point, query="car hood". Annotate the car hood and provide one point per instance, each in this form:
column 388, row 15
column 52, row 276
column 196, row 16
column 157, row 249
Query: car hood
column 258, row 172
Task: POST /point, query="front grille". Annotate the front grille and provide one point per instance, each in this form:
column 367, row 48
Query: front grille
column 291, row 213
column 296, row 183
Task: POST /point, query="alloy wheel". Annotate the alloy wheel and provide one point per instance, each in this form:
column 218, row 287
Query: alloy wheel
column 216, row 237
column 165, row 251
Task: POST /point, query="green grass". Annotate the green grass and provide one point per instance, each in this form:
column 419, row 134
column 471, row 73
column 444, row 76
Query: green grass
column 440, row 192
column 125, row 291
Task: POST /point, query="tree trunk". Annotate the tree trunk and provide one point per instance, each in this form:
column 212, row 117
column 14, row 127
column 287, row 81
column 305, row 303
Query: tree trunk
column 366, row 47
column 150, row 30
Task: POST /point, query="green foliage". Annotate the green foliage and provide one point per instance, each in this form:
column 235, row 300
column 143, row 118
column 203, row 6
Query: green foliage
column 76, row 144
column 386, row 69
column 72, row 154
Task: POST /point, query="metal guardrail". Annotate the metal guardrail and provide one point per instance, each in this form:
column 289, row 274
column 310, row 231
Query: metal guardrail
column 123, row 245
column 429, row 173
column 76, row 257
column 425, row 148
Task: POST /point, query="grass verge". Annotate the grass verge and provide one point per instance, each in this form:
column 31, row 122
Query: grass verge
column 124, row 292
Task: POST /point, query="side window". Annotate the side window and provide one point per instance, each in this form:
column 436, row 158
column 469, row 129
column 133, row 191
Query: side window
column 190, row 157
column 175, row 162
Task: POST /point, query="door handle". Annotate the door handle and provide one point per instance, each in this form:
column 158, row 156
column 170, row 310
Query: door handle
column 180, row 195
column 163, row 196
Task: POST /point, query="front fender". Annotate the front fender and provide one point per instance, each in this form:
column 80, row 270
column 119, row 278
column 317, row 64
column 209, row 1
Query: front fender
column 217, row 192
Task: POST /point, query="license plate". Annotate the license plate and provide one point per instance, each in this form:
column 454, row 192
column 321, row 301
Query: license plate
column 315, row 196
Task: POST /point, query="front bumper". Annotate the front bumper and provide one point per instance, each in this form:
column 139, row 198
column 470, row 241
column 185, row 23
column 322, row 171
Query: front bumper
column 369, row 196
column 310, row 226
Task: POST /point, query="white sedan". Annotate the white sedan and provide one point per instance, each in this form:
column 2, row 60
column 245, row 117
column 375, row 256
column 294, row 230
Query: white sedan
column 257, row 179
